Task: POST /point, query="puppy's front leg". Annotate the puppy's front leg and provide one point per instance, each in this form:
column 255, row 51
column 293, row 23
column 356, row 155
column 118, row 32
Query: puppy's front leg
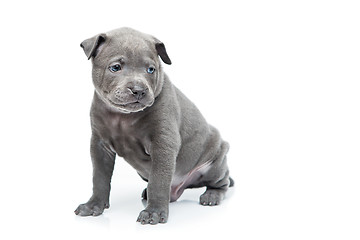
column 103, row 160
column 163, row 155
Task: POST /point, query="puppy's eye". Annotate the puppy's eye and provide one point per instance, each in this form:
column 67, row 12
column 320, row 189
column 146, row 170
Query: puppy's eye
column 151, row 70
column 115, row 68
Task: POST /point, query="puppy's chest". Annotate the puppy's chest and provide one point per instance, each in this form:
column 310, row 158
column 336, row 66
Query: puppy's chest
column 128, row 138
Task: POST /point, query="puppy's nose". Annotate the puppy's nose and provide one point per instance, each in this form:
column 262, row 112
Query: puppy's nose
column 137, row 91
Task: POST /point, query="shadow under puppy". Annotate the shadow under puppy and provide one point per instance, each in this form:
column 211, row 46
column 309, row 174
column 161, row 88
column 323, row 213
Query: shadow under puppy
column 139, row 115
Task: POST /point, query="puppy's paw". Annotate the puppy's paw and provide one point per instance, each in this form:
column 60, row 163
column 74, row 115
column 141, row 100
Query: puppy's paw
column 91, row 208
column 211, row 197
column 152, row 216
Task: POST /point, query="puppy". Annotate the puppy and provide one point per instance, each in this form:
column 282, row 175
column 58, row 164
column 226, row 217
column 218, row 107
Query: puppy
column 139, row 115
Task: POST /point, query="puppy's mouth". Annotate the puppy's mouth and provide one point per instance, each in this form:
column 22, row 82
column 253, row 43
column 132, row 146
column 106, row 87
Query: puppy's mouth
column 135, row 106
column 125, row 104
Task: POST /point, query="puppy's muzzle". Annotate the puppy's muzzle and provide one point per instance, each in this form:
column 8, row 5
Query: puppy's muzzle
column 131, row 93
column 139, row 92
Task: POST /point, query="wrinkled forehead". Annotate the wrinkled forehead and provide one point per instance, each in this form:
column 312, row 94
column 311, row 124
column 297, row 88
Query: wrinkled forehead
column 133, row 47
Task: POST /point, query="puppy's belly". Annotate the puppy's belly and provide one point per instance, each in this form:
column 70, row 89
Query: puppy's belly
column 180, row 183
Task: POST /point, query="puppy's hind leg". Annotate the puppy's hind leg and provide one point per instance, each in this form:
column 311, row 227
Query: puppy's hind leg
column 217, row 183
column 214, row 195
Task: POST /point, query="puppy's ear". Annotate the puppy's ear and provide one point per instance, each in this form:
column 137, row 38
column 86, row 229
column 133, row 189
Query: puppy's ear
column 91, row 45
column 160, row 48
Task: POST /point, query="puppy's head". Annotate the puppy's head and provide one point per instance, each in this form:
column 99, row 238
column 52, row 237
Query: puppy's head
column 126, row 72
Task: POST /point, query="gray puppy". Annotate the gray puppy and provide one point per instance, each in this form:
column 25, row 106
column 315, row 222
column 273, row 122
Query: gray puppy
column 139, row 115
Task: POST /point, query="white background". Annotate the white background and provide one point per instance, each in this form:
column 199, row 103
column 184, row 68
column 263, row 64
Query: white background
column 279, row 79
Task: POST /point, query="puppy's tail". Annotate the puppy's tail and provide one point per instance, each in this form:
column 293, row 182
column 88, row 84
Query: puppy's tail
column 231, row 182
